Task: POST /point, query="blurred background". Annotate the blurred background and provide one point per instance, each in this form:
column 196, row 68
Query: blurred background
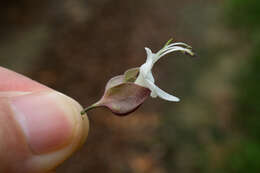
column 76, row 46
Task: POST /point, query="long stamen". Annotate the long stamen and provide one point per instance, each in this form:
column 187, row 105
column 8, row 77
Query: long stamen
column 171, row 48
column 176, row 49
column 180, row 44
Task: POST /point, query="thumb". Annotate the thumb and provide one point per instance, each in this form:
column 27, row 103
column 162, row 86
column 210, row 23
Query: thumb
column 39, row 128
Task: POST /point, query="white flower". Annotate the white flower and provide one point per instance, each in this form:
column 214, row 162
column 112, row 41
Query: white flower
column 145, row 77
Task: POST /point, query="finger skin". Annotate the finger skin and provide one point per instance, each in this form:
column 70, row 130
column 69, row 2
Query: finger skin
column 16, row 154
column 13, row 145
column 12, row 81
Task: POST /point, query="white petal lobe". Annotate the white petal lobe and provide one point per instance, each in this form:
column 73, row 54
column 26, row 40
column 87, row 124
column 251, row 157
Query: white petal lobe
column 161, row 93
column 149, row 53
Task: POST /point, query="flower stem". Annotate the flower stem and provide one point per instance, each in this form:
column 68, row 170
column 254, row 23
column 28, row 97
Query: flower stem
column 88, row 108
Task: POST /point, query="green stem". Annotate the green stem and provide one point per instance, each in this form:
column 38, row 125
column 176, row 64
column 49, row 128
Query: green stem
column 88, row 108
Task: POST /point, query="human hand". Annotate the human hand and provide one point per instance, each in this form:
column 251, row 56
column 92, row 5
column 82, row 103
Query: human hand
column 39, row 127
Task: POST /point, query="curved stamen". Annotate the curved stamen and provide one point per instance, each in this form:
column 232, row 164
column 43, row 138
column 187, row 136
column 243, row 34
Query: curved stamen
column 177, row 48
column 169, row 50
column 180, row 44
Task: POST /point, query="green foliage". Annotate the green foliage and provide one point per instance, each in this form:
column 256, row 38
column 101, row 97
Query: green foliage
column 246, row 158
column 249, row 109
column 246, row 14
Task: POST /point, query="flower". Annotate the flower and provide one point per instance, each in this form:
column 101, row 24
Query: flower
column 145, row 77
column 125, row 93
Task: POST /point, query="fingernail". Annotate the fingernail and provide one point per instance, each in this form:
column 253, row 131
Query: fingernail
column 46, row 120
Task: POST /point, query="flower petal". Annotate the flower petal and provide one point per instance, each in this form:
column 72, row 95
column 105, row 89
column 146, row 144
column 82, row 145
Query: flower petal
column 149, row 53
column 161, row 93
column 150, row 76
column 144, row 74
column 146, row 67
